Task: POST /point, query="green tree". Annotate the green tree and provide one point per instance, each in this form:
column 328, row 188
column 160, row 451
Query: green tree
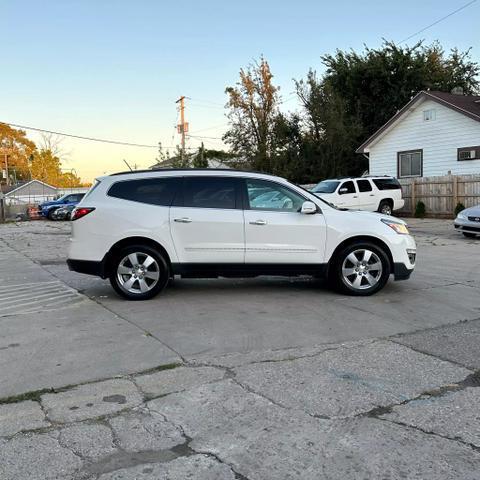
column 200, row 160
column 378, row 82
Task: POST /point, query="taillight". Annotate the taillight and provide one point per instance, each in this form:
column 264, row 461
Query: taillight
column 81, row 212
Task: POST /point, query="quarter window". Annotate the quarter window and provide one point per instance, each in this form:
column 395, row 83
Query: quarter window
column 364, row 186
column 410, row 164
column 155, row 191
column 264, row 195
column 210, row 192
column 387, row 183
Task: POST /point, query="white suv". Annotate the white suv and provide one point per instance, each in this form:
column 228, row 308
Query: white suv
column 140, row 229
column 374, row 194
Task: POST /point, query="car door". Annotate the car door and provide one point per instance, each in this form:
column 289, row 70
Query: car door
column 206, row 221
column 366, row 197
column 347, row 195
column 276, row 231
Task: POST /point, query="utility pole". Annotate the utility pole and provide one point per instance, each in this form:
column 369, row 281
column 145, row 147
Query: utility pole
column 182, row 127
column 6, row 167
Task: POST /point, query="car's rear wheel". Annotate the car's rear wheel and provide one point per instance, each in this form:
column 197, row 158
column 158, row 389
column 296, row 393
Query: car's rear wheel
column 469, row 235
column 139, row 272
column 360, row 269
column 385, row 207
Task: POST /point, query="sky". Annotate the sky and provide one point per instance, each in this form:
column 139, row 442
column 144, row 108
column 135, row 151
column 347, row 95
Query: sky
column 113, row 69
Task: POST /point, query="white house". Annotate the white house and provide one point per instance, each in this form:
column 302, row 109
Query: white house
column 435, row 134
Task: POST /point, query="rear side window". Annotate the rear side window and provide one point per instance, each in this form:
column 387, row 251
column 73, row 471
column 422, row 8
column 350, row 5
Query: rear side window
column 387, row 183
column 364, row 186
column 155, row 191
column 210, row 192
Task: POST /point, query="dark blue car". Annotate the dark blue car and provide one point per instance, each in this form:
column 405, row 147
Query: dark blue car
column 46, row 209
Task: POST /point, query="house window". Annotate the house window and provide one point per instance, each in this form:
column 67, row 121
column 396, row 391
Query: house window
column 429, row 115
column 468, row 153
column 410, row 164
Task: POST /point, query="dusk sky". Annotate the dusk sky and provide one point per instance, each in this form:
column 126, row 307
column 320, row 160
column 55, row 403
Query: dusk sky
column 113, row 69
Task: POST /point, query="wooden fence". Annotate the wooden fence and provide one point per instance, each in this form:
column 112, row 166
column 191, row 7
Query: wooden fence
column 440, row 194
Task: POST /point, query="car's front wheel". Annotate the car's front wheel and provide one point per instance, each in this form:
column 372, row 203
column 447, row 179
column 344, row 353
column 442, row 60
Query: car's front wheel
column 469, row 235
column 360, row 269
column 139, row 272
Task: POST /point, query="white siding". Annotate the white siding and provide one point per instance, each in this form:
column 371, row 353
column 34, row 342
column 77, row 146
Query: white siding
column 438, row 138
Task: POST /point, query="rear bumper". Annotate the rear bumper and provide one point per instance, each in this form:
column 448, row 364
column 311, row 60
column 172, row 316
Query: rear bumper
column 88, row 267
column 401, row 272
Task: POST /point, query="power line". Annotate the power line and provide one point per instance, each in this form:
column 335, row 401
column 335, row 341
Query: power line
column 92, row 139
column 198, row 136
column 439, row 20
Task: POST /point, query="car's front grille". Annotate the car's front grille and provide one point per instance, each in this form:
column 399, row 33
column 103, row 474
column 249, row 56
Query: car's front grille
column 474, row 219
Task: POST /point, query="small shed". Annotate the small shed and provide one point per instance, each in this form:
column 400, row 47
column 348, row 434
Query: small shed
column 32, row 192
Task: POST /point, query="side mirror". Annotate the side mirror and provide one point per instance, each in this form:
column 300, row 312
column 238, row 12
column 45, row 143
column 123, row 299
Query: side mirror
column 343, row 190
column 308, row 208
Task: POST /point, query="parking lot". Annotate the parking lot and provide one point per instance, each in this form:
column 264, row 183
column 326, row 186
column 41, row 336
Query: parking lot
column 266, row 378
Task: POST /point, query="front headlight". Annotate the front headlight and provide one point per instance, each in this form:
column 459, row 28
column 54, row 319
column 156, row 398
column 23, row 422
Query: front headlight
column 400, row 228
column 462, row 216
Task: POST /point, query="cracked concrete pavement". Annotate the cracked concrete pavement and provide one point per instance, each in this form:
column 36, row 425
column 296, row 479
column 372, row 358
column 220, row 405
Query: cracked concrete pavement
column 256, row 379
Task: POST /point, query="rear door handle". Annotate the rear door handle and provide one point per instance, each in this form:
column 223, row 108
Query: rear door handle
column 183, row 220
column 372, row 195
column 258, row 222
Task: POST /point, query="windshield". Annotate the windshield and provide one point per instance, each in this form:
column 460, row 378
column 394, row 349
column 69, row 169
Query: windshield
column 327, row 186
column 320, row 198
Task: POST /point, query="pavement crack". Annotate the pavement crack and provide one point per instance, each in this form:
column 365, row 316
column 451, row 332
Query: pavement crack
column 430, row 432
column 472, row 380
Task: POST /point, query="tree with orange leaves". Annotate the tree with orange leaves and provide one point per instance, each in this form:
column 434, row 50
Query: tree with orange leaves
column 15, row 152
column 253, row 105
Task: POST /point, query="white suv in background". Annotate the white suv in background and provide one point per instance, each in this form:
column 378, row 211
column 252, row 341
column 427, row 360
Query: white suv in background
column 374, row 194
column 139, row 229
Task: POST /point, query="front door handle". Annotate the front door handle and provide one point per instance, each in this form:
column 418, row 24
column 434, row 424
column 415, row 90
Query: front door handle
column 355, row 196
column 183, row 220
column 372, row 195
column 258, row 222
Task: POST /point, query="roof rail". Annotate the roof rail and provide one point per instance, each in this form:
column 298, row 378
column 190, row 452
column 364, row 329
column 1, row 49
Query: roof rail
column 130, row 172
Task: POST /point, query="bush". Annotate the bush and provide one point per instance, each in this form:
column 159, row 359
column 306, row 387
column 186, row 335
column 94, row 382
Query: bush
column 420, row 210
column 459, row 208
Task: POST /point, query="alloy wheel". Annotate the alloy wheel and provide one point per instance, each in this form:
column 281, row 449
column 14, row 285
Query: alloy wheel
column 362, row 269
column 138, row 272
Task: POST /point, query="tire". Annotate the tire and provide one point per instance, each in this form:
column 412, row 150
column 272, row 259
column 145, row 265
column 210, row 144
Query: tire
column 469, row 235
column 50, row 214
column 366, row 280
column 385, row 207
column 138, row 280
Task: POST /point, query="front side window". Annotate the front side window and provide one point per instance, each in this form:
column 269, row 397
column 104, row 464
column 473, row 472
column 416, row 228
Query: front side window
column 210, row 192
column 347, row 187
column 155, row 191
column 410, row 163
column 265, row 195
column 364, row 186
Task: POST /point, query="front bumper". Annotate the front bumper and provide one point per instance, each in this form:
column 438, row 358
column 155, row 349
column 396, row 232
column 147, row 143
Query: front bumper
column 467, row 226
column 401, row 272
